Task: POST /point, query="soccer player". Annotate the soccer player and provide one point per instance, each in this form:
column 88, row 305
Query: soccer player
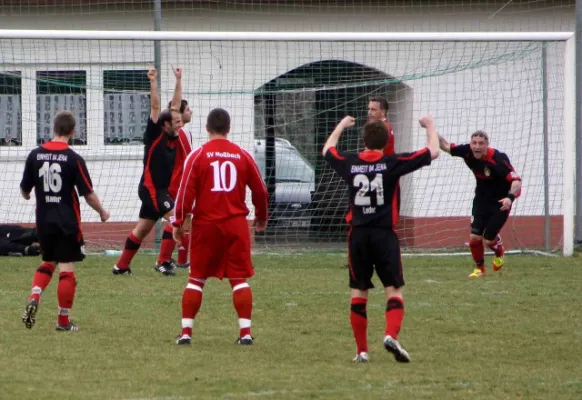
column 372, row 180
column 378, row 111
column 215, row 178
column 165, row 261
column 498, row 185
column 161, row 141
column 54, row 171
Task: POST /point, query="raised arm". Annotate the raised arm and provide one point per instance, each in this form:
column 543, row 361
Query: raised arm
column 154, row 95
column 433, row 138
column 332, row 140
column 177, row 99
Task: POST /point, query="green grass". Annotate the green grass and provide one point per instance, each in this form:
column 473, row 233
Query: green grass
column 514, row 334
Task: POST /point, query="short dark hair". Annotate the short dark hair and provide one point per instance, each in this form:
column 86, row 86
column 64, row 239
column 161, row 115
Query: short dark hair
column 183, row 105
column 482, row 134
column 64, row 123
column 375, row 135
column 166, row 116
column 382, row 101
column 218, row 121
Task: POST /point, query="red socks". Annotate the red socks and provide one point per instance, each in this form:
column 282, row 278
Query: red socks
column 191, row 302
column 394, row 316
column 42, row 278
column 65, row 295
column 478, row 253
column 242, row 298
column 131, row 247
column 359, row 321
column 167, row 246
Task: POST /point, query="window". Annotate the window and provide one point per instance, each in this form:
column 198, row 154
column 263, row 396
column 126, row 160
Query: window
column 290, row 166
column 10, row 108
column 126, row 105
column 58, row 91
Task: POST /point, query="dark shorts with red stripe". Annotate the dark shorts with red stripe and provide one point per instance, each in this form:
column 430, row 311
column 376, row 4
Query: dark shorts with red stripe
column 372, row 249
column 61, row 247
column 487, row 219
column 154, row 207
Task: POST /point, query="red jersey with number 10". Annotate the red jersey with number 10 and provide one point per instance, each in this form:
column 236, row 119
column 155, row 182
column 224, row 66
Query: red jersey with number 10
column 213, row 186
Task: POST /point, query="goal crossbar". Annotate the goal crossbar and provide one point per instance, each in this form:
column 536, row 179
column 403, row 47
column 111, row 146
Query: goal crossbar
column 288, row 36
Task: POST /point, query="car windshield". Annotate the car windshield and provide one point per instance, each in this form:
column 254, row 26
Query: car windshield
column 290, row 166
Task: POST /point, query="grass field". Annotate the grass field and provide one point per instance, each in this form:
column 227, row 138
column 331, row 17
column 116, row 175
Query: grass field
column 514, row 334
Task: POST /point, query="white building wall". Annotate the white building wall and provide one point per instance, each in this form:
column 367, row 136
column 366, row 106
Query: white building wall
column 504, row 99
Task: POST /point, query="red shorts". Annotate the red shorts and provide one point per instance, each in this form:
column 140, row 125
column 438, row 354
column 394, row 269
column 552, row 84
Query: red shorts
column 221, row 250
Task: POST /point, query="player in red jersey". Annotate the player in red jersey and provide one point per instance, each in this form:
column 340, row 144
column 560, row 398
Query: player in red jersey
column 498, row 185
column 57, row 174
column 160, row 147
column 215, row 178
column 378, row 111
column 165, row 261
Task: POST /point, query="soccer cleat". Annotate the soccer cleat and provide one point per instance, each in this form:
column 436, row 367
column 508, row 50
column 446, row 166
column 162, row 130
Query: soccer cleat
column 71, row 327
column 498, row 261
column 361, row 358
column 395, row 348
column 186, row 265
column 118, row 271
column 29, row 316
column 183, row 339
column 477, row 273
column 246, row 340
column 166, row 268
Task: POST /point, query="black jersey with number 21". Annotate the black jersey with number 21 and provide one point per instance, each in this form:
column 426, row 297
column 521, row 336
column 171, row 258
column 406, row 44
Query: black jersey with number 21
column 372, row 180
column 56, row 173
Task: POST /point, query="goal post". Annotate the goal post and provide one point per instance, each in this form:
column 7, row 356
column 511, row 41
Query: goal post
column 285, row 92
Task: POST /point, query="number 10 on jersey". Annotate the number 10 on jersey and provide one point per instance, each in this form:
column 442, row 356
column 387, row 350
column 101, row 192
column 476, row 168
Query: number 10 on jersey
column 221, row 171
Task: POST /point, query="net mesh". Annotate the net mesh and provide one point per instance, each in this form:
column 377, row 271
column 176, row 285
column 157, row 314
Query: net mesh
column 294, row 93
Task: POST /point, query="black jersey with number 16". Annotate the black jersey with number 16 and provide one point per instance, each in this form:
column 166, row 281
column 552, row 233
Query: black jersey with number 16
column 372, row 180
column 54, row 171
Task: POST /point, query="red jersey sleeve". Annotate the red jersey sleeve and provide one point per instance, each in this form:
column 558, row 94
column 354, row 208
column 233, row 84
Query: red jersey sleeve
column 260, row 196
column 187, row 191
column 389, row 149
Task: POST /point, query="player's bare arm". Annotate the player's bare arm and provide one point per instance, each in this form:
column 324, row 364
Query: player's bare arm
column 433, row 138
column 154, row 95
column 332, row 140
column 25, row 195
column 177, row 98
column 514, row 190
column 95, row 203
column 444, row 144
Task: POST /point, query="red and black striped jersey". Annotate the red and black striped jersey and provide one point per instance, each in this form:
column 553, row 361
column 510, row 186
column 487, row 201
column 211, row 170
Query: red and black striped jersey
column 57, row 174
column 372, row 180
column 159, row 158
column 494, row 172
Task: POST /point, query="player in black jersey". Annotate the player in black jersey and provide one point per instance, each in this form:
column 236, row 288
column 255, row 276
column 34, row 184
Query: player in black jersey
column 372, row 179
column 498, row 185
column 160, row 145
column 57, row 173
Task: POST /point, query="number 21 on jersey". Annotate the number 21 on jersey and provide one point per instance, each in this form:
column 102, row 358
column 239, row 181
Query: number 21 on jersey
column 367, row 188
column 221, row 171
column 51, row 174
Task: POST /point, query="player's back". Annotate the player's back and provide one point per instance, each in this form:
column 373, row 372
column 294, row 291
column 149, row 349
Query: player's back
column 55, row 170
column 222, row 171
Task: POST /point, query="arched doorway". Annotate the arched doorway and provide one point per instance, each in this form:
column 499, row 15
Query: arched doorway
column 301, row 108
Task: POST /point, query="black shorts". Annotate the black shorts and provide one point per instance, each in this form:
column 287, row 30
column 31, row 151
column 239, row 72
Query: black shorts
column 154, row 208
column 487, row 219
column 374, row 248
column 61, row 247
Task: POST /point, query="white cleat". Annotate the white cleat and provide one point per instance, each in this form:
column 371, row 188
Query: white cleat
column 395, row 348
column 361, row 358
